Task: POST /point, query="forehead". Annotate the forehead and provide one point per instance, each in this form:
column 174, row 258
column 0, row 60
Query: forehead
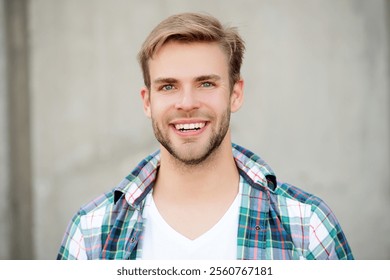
column 186, row 60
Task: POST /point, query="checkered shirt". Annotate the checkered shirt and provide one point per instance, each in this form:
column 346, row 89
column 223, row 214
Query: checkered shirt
column 276, row 220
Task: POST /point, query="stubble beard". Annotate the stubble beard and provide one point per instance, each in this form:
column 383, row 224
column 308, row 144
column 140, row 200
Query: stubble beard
column 217, row 136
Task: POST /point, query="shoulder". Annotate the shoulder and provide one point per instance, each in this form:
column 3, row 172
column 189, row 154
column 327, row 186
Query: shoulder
column 94, row 215
column 296, row 195
column 89, row 228
column 299, row 203
column 103, row 201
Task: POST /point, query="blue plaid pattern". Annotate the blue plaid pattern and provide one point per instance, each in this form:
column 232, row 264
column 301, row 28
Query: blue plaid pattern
column 276, row 220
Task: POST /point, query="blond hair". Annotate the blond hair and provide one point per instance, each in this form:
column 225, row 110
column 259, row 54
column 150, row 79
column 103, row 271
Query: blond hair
column 193, row 27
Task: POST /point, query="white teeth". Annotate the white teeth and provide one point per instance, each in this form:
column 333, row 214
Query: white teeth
column 189, row 126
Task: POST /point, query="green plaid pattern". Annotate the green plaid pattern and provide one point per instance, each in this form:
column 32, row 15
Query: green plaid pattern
column 276, row 220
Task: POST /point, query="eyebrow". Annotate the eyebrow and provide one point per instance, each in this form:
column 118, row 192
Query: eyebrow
column 207, row 77
column 163, row 80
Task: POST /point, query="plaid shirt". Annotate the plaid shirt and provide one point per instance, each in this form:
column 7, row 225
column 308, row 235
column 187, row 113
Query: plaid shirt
column 276, row 220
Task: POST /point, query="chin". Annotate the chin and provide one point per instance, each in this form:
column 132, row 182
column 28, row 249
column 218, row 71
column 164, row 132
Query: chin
column 193, row 157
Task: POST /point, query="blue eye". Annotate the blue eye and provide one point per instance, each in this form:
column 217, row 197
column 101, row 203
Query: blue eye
column 167, row 87
column 207, row 84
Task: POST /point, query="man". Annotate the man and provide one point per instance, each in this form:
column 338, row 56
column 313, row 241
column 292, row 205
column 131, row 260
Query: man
column 200, row 196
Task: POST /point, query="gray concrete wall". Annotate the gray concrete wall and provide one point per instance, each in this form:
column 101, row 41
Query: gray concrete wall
column 4, row 171
column 317, row 103
column 18, row 130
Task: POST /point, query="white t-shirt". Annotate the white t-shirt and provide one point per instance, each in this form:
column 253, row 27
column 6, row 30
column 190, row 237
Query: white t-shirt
column 162, row 242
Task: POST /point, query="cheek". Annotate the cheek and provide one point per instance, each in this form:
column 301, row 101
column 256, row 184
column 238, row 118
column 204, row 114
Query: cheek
column 154, row 113
column 219, row 105
column 158, row 111
column 162, row 103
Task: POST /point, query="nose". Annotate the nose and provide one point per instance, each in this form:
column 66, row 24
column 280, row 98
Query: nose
column 187, row 100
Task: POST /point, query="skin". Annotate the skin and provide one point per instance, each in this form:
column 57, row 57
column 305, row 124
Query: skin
column 197, row 178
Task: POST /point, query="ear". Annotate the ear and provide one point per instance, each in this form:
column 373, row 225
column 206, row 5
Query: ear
column 237, row 96
column 145, row 95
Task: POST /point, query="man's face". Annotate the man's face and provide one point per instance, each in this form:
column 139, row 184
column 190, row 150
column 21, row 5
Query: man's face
column 190, row 99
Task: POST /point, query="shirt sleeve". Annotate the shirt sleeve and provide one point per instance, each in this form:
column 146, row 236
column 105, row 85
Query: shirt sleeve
column 327, row 240
column 73, row 243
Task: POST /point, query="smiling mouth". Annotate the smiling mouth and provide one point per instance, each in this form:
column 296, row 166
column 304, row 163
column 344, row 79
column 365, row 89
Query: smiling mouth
column 188, row 127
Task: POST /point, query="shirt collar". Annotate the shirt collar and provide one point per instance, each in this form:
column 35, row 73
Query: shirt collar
column 140, row 181
column 254, row 168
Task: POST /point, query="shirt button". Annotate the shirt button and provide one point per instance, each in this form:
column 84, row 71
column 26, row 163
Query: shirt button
column 257, row 227
column 132, row 240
